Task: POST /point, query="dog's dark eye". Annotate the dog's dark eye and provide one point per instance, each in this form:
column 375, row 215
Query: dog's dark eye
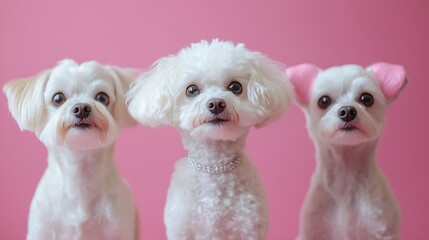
column 58, row 99
column 324, row 102
column 192, row 91
column 235, row 87
column 102, row 98
column 366, row 99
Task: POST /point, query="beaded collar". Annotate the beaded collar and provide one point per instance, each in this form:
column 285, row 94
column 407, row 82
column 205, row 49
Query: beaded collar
column 215, row 169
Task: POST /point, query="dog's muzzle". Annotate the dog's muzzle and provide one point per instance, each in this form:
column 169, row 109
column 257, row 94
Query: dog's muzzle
column 216, row 105
column 82, row 111
column 347, row 113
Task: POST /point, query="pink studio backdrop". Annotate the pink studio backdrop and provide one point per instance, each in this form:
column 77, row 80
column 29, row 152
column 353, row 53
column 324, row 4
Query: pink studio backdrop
column 34, row 35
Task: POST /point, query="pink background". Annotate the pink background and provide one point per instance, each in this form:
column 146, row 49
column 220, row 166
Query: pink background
column 34, row 35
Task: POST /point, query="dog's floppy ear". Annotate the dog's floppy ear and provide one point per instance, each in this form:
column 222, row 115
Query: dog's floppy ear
column 392, row 78
column 302, row 76
column 268, row 90
column 123, row 77
column 25, row 100
column 151, row 97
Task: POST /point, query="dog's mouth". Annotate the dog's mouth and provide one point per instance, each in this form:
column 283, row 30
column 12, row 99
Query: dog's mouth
column 348, row 127
column 217, row 120
column 83, row 125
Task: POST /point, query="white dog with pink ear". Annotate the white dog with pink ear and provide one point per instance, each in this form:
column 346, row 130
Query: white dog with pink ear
column 345, row 106
column 77, row 112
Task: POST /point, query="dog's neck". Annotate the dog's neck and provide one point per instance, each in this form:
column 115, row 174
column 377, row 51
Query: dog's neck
column 340, row 167
column 82, row 170
column 213, row 152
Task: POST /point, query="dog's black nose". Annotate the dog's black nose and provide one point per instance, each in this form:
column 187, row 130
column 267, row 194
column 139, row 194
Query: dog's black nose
column 216, row 105
column 347, row 113
column 81, row 110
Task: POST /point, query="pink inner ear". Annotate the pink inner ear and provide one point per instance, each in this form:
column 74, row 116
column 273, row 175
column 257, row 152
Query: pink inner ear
column 391, row 78
column 302, row 77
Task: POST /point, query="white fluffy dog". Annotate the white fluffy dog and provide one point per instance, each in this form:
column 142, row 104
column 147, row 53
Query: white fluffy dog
column 345, row 107
column 77, row 111
column 214, row 93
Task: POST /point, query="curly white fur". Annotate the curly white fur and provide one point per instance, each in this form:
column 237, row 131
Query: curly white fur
column 349, row 198
column 201, row 205
column 81, row 194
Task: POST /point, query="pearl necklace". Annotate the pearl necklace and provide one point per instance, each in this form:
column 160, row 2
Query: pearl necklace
column 215, row 169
